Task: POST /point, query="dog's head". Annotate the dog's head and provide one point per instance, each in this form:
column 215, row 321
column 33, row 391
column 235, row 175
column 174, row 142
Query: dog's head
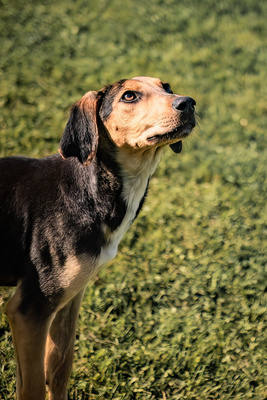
column 137, row 114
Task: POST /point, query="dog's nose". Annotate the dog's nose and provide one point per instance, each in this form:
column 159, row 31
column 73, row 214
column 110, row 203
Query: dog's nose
column 184, row 104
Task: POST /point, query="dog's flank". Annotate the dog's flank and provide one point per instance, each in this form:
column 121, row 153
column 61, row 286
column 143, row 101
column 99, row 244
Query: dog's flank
column 62, row 217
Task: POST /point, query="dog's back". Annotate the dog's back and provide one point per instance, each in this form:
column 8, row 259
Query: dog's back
column 12, row 172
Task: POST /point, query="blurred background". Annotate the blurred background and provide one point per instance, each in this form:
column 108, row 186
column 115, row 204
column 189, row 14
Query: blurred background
column 180, row 313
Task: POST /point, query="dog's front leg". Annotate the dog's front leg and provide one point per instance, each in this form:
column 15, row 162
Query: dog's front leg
column 59, row 348
column 29, row 333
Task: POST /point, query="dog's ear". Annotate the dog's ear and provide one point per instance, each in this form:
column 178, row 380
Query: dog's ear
column 80, row 138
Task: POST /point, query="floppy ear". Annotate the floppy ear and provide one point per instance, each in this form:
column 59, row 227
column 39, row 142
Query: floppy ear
column 80, row 138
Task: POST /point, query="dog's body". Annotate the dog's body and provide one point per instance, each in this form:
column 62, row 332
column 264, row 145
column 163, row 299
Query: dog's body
column 62, row 217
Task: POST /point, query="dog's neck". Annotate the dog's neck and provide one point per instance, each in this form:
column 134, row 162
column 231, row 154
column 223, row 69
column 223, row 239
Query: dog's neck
column 137, row 170
column 134, row 165
column 132, row 168
column 135, row 174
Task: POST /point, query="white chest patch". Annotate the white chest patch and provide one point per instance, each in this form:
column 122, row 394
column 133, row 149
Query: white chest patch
column 134, row 188
column 109, row 251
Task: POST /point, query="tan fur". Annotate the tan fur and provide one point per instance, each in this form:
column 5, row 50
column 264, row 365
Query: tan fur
column 59, row 348
column 29, row 338
column 130, row 125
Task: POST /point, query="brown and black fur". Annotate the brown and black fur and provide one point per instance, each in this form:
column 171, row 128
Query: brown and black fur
column 62, row 217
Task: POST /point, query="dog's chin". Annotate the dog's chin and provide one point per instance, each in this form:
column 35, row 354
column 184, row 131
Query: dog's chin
column 173, row 138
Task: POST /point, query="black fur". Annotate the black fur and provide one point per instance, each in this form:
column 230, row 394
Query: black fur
column 108, row 94
column 80, row 138
column 50, row 208
column 167, row 87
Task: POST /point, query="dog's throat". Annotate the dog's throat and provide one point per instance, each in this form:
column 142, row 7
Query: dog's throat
column 135, row 180
column 134, row 197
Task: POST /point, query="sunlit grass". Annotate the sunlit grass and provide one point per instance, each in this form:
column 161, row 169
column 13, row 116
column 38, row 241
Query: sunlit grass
column 179, row 314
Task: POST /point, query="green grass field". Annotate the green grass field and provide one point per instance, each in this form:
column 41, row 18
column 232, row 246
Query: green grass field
column 181, row 312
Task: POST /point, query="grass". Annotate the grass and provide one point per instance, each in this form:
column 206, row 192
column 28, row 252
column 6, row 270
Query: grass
column 181, row 312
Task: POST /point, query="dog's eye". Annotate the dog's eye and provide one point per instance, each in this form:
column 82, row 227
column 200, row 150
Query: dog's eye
column 129, row 97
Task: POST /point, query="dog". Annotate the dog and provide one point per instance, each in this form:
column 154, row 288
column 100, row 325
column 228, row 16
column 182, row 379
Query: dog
column 62, row 217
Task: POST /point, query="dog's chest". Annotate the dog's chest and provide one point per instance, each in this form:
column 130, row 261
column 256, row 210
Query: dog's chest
column 133, row 194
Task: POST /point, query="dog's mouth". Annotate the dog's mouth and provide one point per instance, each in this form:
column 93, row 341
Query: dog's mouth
column 179, row 133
